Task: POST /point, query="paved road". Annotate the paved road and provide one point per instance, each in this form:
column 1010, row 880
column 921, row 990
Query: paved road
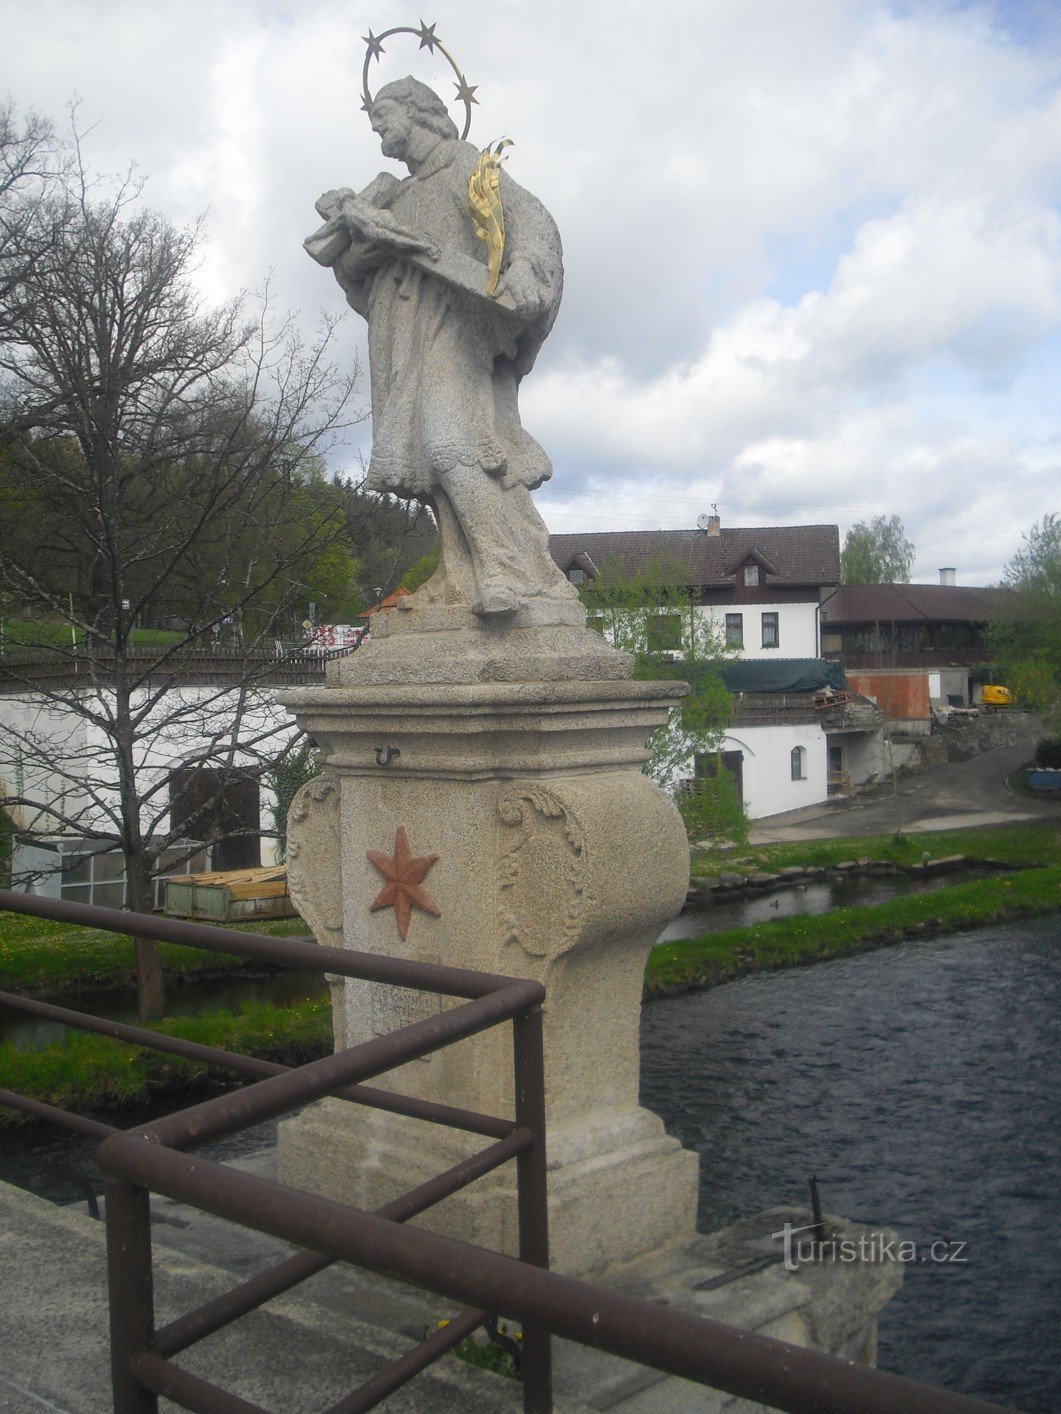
column 959, row 794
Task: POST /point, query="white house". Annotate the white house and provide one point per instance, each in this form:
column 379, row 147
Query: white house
column 795, row 740
column 762, row 588
column 199, row 752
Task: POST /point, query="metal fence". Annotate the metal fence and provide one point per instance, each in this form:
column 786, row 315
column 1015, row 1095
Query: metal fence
column 156, row 1158
column 275, row 665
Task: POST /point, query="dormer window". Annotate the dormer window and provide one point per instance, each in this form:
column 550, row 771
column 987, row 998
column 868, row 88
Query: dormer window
column 751, row 576
column 580, row 569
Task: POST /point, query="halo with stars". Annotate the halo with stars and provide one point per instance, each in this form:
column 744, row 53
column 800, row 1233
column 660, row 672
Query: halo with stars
column 430, row 42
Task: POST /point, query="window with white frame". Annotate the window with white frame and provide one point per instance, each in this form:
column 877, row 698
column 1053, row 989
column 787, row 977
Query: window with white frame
column 734, row 630
column 771, row 631
column 799, row 763
column 751, row 576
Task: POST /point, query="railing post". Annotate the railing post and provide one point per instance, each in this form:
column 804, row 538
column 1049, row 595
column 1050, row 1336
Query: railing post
column 132, row 1302
column 533, row 1199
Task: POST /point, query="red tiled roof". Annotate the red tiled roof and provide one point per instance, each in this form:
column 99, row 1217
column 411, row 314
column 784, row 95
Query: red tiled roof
column 390, row 602
column 799, row 554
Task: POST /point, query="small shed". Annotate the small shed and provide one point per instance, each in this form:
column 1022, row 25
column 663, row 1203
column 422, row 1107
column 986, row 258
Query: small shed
column 229, row 895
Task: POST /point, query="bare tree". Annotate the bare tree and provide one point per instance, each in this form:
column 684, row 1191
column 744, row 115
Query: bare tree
column 160, row 466
column 31, row 159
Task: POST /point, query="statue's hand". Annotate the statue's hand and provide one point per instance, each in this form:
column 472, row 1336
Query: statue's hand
column 523, row 288
column 331, row 203
column 377, row 225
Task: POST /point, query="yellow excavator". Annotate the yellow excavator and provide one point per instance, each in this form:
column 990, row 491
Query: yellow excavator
column 993, row 695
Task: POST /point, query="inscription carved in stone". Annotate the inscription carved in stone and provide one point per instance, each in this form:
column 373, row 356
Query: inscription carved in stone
column 395, row 1007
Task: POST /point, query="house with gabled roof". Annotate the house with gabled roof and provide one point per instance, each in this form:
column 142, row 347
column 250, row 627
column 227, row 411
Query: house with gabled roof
column 762, row 584
column 797, row 735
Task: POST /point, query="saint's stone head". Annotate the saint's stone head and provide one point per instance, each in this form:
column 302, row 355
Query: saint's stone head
column 406, row 104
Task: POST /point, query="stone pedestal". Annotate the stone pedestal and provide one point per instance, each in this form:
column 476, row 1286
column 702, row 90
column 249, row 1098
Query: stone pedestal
column 557, row 860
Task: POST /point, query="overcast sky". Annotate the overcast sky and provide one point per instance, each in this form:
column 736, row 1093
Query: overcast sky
column 812, row 247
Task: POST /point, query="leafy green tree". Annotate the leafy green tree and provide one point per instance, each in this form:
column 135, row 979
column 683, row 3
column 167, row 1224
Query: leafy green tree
column 655, row 617
column 1026, row 643
column 260, row 554
column 387, row 535
column 287, row 776
column 421, row 571
column 877, row 553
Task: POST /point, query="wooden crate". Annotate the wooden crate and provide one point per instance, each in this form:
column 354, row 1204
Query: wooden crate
column 229, row 895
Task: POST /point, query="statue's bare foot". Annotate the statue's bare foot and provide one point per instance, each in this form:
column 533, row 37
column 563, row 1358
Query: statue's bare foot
column 496, row 599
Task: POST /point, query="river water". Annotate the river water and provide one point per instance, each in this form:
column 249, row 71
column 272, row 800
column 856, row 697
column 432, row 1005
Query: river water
column 788, row 900
column 922, row 1085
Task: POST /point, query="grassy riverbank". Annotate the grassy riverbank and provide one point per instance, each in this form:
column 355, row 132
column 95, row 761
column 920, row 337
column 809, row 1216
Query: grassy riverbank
column 88, row 1072
column 786, row 942
column 42, row 958
column 1026, row 845
column 84, row 1072
column 46, row 959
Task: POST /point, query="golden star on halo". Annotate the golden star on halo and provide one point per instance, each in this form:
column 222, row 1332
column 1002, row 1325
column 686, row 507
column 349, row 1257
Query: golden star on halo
column 404, row 889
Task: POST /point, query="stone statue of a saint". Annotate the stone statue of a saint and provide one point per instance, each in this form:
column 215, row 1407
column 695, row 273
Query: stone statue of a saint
column 446, row 357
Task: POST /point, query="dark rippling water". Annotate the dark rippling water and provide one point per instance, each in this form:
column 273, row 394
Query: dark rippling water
column 922, row 1084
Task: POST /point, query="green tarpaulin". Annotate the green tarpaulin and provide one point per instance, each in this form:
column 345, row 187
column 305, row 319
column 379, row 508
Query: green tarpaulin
column 783, row 675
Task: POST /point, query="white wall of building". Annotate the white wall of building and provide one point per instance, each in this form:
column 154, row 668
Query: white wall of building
column 81, row 781
column 864, row 756
column 797, row 628
column 767, row 767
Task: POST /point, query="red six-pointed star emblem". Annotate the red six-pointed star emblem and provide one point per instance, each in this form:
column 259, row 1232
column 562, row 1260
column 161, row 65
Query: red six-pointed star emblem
column 404, row 889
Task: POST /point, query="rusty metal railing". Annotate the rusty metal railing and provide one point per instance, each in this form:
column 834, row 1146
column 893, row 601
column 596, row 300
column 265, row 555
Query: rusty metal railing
column 156, row 1158
column 486, row 1001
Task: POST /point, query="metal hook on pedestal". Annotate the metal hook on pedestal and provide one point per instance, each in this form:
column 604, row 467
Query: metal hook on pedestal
column 386, row 754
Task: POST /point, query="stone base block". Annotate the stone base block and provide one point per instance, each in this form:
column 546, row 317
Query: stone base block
column 829, row 1306
column 619, row 1186
column 525, row 653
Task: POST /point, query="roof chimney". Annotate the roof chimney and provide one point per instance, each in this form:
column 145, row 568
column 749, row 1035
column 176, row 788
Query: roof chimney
column 946, row 576
column 711, row 524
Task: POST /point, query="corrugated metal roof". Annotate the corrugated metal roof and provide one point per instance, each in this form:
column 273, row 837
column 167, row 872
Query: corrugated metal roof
column 801, row 554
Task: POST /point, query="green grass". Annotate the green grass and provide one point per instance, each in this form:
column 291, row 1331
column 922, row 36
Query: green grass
column 1013, row 844
column 39, row 633
column 42, row 958
column 719, row 957
column 84, row 1072
column 483, row 1354
column 31, row 633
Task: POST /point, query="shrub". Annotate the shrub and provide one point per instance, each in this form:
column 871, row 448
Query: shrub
column 1048, row 753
